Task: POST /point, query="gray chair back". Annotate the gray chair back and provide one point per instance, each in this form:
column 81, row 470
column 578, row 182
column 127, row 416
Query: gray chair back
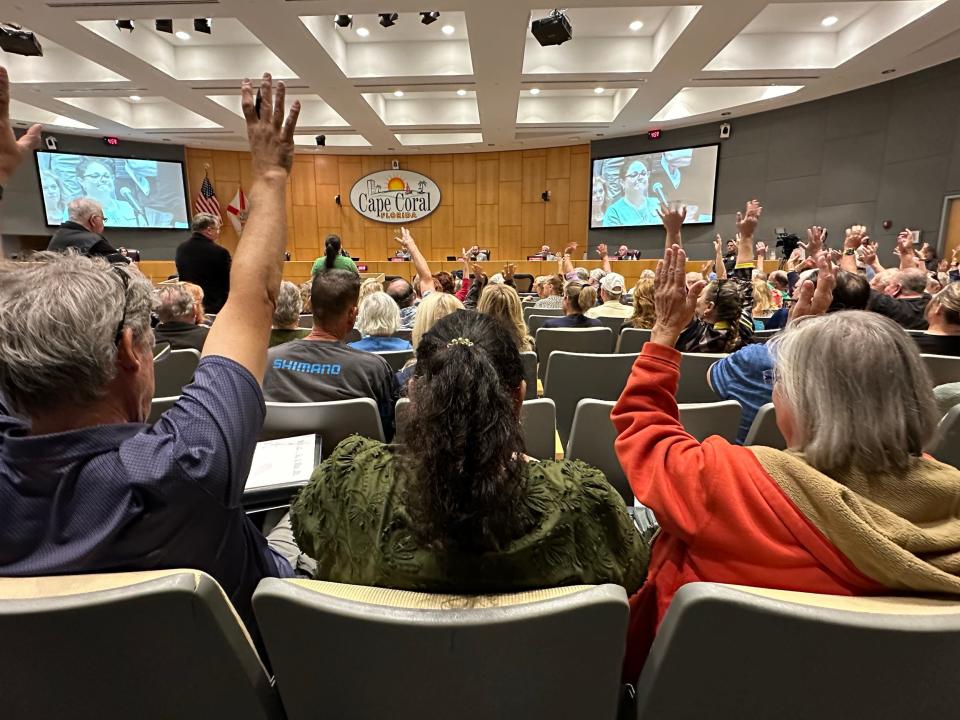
column 574, row 340
column 159, row 405
column 631, row 340
column 943, row 369
column 528, row 311
column 332, row 421
column 344, row 651
column 396, row 358
column 524, row 282
column 529, row 360
column 694, row 387
column 761, row 336
column 306, row 321
column 747, row 647
column 946, row 444
column 536, row 321
column 175, row 372
column 147, row 645
column 574, row 376
column 703, row 420
column 615, row 324
column 764, row 430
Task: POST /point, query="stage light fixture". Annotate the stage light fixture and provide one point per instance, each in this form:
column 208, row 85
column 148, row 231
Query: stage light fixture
column 388, row 19
column 17, row 41
column 164, row 26
column 428, row 18
column 555, row 29
column 125, row 25
column 203, row 25
column 343, row 21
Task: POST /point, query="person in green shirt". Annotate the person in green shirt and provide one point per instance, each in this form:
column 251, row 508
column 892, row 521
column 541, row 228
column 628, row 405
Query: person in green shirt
column 635, row 207
column 332, row 257
column 456, row 506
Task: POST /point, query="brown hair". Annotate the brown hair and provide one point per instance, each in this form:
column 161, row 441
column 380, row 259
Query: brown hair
column 581, row 296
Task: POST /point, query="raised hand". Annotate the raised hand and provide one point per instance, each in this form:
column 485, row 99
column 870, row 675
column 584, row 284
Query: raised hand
column 508, row 270
column 271, row 137
column 718, row 244
column 570, row 249
column 602, row 250
column 406, row 240
column 869, row 254
column 672, row 220
column 855, row 236
column 816, row 300
column 13, row 151
column 748, row 220
column 761, row 248
column 815, row 238
column 675, row 304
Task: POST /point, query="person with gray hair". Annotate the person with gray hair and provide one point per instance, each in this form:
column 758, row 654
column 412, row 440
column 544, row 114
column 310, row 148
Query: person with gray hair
column 378, row 320
column 904, row 299
column 286, row 316
column 178, row 319
column 86, row 484
column 202, row 261
column 854, row 507
column 83, row 232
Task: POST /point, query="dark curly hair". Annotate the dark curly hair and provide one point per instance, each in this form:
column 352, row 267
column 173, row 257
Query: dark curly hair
column 464, row 454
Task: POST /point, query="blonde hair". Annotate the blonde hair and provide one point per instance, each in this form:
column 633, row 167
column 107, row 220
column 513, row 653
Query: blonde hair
column 368, row 287
column 763, row 302
column 503, row 303
column 434, row 307
column 644, row 313
column 949, row 300
column 580, row 295
column 305, row 306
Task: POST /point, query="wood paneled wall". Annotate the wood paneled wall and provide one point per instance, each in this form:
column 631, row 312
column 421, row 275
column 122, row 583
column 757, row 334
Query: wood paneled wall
column 488, row 199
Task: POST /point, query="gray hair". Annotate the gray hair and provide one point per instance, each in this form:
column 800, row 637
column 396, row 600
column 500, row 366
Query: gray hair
column 286, row 314
column 204, row 221
column 173, row 303
column 81, row 209
column 912, row 280
column 846, row 415
column 58, row 328
column 379, row 315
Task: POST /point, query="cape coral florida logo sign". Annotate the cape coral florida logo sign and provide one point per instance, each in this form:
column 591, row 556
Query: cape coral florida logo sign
column 395, row 196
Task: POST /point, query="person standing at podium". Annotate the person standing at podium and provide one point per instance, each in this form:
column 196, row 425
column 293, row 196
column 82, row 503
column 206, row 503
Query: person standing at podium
column 201, row 261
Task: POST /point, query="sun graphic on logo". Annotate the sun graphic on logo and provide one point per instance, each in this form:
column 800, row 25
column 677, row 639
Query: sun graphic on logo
column 396, row 183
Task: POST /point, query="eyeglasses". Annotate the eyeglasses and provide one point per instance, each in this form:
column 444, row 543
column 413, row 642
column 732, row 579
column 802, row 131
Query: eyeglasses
column 636, row 173
column 125, row 280
column 99, row 177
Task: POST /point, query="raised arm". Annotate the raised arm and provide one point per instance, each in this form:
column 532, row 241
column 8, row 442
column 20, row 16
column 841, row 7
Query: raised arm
column 747, row 222
column 853, row 238
column 420, row 264
column 718, row 258
column 760, row 257
column 566, row 263
column 12, row 150
column 908, row 257
column 672, row 222
column 243, row 325
column 604, row 258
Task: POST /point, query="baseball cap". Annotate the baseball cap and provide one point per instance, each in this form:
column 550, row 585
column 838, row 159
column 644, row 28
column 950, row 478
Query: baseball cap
column 613, row 283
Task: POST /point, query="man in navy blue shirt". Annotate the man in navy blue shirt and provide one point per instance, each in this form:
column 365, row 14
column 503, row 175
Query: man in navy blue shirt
column 85, row 485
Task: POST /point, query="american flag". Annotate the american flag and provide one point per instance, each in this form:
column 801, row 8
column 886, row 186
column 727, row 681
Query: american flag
column 207, row 199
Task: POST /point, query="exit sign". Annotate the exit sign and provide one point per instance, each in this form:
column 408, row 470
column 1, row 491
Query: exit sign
column 111, row 140
column 654, row 134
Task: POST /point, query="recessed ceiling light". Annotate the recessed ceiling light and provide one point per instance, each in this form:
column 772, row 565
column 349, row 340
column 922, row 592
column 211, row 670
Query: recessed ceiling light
column 398, row 93
column 534, row 91
column 448, row 29
column 636, row 25
column 135, row 98
column 181, row 35
column 362, row 31
column 461, row 92
column 598, row 90
column 829, row 20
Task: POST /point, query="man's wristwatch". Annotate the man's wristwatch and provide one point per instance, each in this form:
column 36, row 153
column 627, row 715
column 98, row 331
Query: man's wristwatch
column 849, row 251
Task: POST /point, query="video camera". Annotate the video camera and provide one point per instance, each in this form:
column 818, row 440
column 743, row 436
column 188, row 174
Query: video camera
column 787, row 242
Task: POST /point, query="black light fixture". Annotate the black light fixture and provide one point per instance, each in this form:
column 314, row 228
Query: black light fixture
column 14, row 39
column 203, row 25
column 164, row 26
column 430, row 17
column 555, row 29
column 388, row 19
column 321, row 140
column 125, row 25
column 343, row 21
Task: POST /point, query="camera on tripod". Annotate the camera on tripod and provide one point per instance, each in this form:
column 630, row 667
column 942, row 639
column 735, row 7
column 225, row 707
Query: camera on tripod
column 787, row 242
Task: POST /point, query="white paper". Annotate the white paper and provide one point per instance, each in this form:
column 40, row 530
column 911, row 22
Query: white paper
column 283, row 461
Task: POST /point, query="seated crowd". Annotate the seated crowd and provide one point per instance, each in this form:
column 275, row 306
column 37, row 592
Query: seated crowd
column 452, row 502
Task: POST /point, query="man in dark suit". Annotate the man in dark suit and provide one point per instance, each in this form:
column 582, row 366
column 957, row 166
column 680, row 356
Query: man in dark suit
column 202, row 262
column 83, row 232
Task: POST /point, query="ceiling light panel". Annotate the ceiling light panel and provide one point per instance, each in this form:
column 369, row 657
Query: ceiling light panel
column 693, row 101
column 572, row 107
column 157, row 114
column 425, row 109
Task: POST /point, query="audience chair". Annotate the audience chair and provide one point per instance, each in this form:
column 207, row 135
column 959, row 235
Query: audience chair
column 575, row 340
column 761, row 336
column 159, row 405
column 306, row 321
column 570, row 377
column 529, row 360
column 946, row 444
column 528, row 311
column 396, row 358
column 523, row 281
column 209, row 318
column 536, row 321
column 615, row 324
column 943, row 369
column 703, row 420
column 367, row 653
column 175, row 372
column 739, row 653
column 332, row 421
column 694, row 387
column 146, row 645
column 764, row 430
column 631, row 340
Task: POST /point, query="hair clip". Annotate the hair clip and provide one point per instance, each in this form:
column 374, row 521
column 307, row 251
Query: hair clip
column 466, row 342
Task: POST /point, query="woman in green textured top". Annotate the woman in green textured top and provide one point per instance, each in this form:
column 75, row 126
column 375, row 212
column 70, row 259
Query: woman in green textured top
column 332, row 257
column 456, row 506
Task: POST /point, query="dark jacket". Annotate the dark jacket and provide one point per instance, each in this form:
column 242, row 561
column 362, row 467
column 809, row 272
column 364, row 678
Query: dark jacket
column 202, row 262
column 181, row 335
column 74, row 235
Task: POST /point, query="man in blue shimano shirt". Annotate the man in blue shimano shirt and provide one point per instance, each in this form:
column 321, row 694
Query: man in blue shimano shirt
column 85, row 485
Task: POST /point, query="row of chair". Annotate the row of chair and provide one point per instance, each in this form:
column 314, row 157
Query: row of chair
column 168, row 644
